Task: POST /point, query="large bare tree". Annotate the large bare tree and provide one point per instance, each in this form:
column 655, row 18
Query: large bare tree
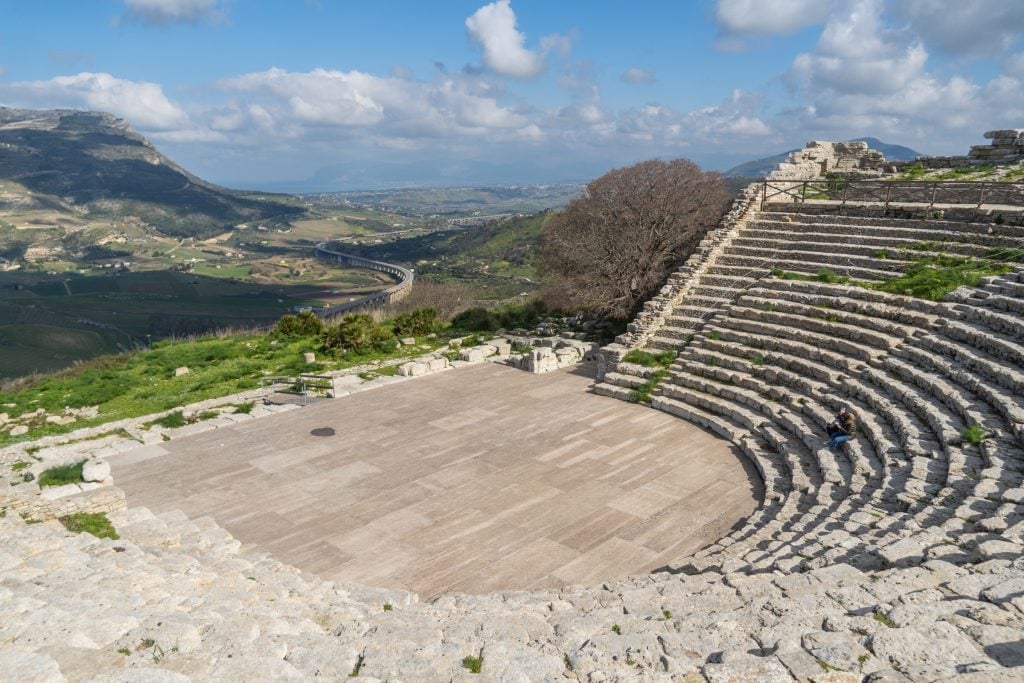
column 612, row 249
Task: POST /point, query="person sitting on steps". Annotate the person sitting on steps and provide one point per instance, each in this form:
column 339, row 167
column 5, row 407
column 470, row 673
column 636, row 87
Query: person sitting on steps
column 842, row 428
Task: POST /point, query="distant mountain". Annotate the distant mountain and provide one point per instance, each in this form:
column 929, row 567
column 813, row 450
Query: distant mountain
column 94, row 163
column 762, row 167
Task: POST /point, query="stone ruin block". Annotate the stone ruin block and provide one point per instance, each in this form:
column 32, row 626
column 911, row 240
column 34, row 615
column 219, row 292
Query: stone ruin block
column 413, row 369
column 438, row 363
column 503, row 347
column 477, row 353
column 541, row 359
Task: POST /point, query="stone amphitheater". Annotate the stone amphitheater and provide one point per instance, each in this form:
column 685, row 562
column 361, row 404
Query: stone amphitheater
column 898, row 558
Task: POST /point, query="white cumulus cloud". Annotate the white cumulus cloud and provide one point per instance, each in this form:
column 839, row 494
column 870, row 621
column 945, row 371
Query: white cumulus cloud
column 867, row 76
column 637, row 75
column 769, row 17
column 493, row 26
column 393, row 108
column 964, row 27
column 161, row 12
column 142, row 104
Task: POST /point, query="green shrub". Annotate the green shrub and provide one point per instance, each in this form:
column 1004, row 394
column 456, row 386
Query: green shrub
column 416, row 323
column 63, row 474
column 493, row 319
column 356, row 332
column 305, row 324
column 95, row 523
column 474, row 664
column 973, row 434
column 245, row 408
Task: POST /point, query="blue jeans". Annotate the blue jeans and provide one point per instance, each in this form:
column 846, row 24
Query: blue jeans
column 838, row 439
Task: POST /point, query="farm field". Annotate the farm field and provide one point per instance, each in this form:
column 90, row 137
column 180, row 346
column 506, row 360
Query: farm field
column 53, row 321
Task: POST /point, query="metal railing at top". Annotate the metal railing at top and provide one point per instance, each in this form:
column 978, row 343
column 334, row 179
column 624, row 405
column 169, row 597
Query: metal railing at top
column 302, row 385
column 928, row 193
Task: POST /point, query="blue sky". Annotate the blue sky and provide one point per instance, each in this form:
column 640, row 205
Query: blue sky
column 357, row 94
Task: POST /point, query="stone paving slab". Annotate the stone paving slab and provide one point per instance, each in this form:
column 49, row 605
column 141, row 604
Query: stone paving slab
column 475, row 480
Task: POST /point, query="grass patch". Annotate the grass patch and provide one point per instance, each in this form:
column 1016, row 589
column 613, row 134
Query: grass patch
column 757, row 360
column 143, row 382
column 882, row 619
column 245, row 408
column 19, row 466
column 912, row 172
column 973, row 434
column 1006, row 254
column 642, row 394
column 63, row 474
column 473, row 664
column 95, row 523
column 168, row 421
column 935, row 277
column 931, row 277
column 616, row 629
column 648, row 359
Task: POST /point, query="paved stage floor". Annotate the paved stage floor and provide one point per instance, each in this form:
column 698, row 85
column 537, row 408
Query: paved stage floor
column 472, row 480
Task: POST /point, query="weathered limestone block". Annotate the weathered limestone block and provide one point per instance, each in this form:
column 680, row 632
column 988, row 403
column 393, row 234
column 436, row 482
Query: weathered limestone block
column 96, row 470
column 408, row 341
column 541, row 359
column 438, row 363
column 502, row 346
column 477, row 353
column 940, row 645
column 567, row 356
column 18, row 430
column 178, row 372
column 309, row 357
column 413, row 369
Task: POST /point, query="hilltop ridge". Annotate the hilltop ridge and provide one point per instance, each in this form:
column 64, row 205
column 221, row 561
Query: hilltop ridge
column 94, row 163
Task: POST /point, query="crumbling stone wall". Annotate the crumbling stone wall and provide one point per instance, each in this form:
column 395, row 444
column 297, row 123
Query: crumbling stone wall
column 819, row 159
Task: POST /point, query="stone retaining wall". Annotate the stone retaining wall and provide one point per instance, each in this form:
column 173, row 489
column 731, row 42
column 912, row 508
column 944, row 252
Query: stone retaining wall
column 32, row 504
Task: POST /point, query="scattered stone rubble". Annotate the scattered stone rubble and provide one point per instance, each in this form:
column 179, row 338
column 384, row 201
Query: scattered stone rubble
column 21, row 424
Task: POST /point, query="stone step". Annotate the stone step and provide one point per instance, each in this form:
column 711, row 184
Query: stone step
column 854, row 224
column 809, row 262
column 770, row 239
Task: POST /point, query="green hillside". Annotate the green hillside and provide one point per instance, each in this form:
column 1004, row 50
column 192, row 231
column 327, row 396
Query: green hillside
column 94, row 163
column 496, row 257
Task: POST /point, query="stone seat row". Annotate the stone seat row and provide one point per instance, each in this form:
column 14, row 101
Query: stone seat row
column 929, row 417
column 850, row 223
